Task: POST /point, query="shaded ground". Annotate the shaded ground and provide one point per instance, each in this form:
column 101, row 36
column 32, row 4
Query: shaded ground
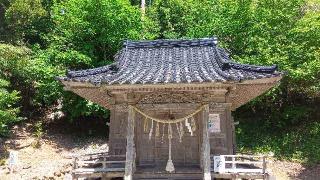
column 53, row 159
column 284, row 170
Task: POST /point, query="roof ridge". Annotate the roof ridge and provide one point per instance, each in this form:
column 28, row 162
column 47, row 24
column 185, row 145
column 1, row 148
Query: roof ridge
column 103, row 69
column 225, row 63
column 255, row 68
column 213, row 41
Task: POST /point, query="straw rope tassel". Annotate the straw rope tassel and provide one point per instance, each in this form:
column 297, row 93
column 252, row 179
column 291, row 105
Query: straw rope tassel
column 188, row 125
column 162, row 138
column 193, row 126
column 181, row 129
column 170, row 166
column 151, row 130
column 145, row 125
column 157, row 130
column 179, row 132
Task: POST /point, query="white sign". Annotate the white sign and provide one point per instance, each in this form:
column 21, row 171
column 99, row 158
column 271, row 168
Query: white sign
column 214, row 123
column 218, row 165
column 13, row 160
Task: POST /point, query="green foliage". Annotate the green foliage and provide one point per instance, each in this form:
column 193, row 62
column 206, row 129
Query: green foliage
column 96, row 27
column 34, row 75
column 298, row 144
column 76, row 106
column 25, row 18
column 38, row 133
column 169, row 15
column 31, row 74
column 8, row 110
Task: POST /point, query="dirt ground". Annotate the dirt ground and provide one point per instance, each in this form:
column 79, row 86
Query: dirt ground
column 53, row 159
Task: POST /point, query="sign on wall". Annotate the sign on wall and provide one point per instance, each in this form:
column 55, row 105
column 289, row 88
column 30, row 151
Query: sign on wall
column 214, row 123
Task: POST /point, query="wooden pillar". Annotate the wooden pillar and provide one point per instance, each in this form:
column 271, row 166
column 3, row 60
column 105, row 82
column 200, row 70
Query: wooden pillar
column 130, row 146
column 206, row 162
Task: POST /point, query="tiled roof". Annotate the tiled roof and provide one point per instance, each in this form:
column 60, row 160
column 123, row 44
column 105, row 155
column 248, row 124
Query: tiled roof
column 171, row 61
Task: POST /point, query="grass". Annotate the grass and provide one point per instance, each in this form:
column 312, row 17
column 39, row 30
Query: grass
column 299, row 144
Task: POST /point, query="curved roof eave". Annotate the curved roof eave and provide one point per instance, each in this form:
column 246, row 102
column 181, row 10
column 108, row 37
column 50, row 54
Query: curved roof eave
column 73, row 84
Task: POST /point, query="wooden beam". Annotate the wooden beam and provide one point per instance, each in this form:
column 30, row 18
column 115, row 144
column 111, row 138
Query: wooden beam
column 206, row 162
column 130, row 146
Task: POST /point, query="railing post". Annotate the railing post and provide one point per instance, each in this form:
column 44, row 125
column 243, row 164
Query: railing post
column 264, row 165
column 130, row 146
column 206, row 162
column 233, row 163
column 223, row 164
column 104, row 164
column 75, row 164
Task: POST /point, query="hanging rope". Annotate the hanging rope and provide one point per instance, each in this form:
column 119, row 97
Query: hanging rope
column 170, row 166
column 169, row 120
column 191, row 126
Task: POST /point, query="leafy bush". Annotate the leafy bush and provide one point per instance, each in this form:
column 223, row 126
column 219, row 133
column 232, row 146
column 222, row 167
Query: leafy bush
column 34, row 75
column 76, row 107
column 37, row 133
column 30, row 74
column 292, row 143
column 8, row 109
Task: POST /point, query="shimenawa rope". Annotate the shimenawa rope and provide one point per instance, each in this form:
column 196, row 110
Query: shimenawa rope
column 169, row 120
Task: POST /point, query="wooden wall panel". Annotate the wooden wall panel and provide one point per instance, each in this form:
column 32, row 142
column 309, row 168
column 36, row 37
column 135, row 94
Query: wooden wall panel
column 155, row 151
column 117, row 134
column 222, row 143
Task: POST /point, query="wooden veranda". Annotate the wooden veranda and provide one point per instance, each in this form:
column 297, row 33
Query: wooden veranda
column 105, row 166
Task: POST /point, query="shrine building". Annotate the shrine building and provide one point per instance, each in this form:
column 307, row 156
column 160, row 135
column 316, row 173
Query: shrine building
column 170, row 104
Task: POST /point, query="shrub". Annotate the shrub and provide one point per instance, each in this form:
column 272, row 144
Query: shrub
column 8, row 110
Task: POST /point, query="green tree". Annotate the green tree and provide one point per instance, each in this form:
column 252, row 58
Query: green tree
column 170, row 17
column 9, row 98
column 96, row 27
column 9, row 112
column 26, row 19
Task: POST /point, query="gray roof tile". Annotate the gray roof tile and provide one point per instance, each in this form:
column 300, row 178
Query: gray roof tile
column 171, row 61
